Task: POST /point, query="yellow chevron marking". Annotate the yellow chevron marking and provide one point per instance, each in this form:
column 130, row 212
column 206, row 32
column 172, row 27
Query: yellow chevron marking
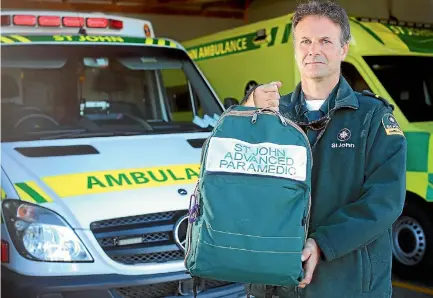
column 40, row 191
column 20, row 38
column 6, row 40
column 24, row 196
column 148, row 41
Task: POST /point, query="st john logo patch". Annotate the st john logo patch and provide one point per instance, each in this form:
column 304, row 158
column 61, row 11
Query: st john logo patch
column 391, row 125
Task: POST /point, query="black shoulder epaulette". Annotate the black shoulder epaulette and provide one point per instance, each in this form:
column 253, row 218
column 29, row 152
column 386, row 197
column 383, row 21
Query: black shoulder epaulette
column 371, row 94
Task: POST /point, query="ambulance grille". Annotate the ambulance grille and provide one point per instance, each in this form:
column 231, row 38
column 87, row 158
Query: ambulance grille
column 140, row 239
column 163, row 289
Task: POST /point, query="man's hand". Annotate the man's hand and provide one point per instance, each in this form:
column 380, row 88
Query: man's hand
column 265, row 96
column 310, row 255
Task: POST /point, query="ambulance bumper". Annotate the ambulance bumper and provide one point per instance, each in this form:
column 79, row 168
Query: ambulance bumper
column 109, row 286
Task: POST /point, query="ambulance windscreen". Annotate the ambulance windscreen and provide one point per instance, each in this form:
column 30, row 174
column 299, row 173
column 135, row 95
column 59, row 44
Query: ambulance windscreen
column 409, row 81
column 68, row 91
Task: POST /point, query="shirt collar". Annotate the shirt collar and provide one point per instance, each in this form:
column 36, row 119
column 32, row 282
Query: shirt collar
column 341, row 96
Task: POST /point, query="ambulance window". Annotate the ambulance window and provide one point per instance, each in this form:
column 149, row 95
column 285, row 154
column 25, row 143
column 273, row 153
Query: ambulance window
column 182, row 100
column 409, row 81
column 353, row 77
column 58, row 91
column 118, row 90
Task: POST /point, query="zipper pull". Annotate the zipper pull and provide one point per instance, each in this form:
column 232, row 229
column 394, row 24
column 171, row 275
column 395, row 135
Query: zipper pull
column 254, row 119
column 282, row 119
column 194, row 209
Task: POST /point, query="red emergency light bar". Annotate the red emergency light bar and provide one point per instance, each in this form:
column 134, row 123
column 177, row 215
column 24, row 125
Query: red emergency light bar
column 73, row 22
column 49, row 21
column 97, row 23
column 57, row 21
column 24, row 20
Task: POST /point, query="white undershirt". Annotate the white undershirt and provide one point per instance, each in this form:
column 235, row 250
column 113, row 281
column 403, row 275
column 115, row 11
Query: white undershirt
column 314, row 105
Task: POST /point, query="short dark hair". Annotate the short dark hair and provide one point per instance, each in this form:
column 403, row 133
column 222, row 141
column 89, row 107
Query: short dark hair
column 328, row 9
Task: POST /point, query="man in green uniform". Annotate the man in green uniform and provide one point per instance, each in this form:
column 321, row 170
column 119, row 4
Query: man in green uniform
column 359, row 172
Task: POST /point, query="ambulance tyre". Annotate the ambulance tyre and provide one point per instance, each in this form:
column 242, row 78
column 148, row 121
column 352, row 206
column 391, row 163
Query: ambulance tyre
column 412, row 240
column 249, row 85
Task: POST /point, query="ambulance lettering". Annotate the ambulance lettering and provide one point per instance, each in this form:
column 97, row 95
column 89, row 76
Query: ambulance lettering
column 131, row 178
column 117, row 180
column 220, row 48
column 82, row 38
column 411, row 31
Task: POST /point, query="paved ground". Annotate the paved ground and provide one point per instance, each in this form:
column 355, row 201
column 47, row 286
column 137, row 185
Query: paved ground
column 404, row 289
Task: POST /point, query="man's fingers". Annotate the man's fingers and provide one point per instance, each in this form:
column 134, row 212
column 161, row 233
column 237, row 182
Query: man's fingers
column 272, row 99
column 272, row 96
column 271, row 87
column 277, row 83
column 267, row 96
column 306, row 253
column 309, row 267
column 273, row 103
column 302, row 284
column 310, row 257
column 306, row 256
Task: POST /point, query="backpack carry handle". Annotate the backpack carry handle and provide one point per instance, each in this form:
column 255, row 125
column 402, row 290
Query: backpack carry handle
column 268, row 110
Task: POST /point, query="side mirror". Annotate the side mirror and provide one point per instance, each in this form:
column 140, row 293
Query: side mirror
column 230, row 101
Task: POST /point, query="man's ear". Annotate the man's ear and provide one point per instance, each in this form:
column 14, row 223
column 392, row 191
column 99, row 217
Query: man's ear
column 344, row 51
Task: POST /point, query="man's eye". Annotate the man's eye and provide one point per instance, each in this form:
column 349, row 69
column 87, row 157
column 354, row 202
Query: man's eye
column 305, row 41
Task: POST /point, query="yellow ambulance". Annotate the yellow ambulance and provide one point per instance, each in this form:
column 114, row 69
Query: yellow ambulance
column 392, row 59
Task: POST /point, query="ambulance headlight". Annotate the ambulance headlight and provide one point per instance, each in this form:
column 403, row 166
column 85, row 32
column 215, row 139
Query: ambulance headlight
column 41, row 234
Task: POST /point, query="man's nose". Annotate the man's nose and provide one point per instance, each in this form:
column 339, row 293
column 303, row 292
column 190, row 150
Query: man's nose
column 314, row 49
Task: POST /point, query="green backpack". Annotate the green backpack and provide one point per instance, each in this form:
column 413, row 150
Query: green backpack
column 249, row 213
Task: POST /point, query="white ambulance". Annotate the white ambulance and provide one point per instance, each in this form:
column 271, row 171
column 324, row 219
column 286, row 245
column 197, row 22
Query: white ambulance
column 102, row 126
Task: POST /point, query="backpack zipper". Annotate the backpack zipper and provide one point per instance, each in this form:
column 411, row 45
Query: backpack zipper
column 193, row 213
column 196, row 192
column 284, row 121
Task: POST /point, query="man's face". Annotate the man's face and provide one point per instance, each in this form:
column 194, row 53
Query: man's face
column 318, row 49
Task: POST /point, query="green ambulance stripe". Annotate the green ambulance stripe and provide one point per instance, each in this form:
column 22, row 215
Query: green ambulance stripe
column 13, row 39
column 31, row 192
column 89, row 38
column 418, row 157
column 286, row 34
column 430, row 188
column 236, row 44
column 416, row 39
column 368, row 30
column 158, row 42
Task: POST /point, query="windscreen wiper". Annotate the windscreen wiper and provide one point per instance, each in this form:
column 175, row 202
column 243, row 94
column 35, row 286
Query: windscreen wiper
column 89, row 134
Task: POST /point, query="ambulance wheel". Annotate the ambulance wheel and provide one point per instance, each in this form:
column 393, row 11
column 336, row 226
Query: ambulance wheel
column 412, row 241
column 250, row 84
